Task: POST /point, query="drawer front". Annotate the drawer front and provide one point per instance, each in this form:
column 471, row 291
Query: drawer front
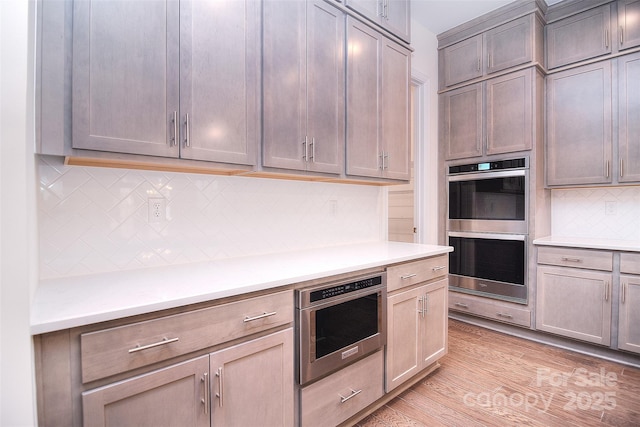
column 630, row 263
column 579, row 258
column 111, row 351
column 343, row 394
column 411, row 273
column 489, row 309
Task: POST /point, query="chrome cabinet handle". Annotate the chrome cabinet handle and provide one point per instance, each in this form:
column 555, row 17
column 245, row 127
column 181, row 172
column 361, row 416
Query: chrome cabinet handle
column 353, row 394
column 621, row 36
column 408, row 276
column 187, row 141
column 164, row 341
column 425, row 300
column 606, row 169
column 568, row 259
column 606, row 38
column 312, row 158
column 438, row 268
column 621, row 169
column 606, row 291
column 304, row 149
column 174, row 120
column 478, row 66
column 459, row 304
column 506, row 316
column 205, row 400
column 220, row 385
column 260, row 316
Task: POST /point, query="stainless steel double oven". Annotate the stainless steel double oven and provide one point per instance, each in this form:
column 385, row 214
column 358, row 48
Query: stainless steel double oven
column 487, row 226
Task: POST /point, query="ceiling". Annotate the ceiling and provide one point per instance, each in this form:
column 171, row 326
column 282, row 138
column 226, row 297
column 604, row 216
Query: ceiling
column 440, row 15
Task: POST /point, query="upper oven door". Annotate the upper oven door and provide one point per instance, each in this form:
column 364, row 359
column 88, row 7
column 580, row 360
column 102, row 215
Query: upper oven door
column 488, row 202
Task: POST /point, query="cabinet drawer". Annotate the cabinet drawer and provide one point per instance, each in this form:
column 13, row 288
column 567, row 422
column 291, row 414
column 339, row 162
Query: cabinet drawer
column 111, row 351
column 579, row 258
column 411, row 273
column 630, row 263
column 490, row 309
column 343, row 394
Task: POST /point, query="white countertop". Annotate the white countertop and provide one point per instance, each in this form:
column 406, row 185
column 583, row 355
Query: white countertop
column 75, row 301
column 590, row 243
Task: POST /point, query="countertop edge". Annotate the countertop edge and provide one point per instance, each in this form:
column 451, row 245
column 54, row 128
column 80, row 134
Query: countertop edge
column 73, row 298
column 589, row 243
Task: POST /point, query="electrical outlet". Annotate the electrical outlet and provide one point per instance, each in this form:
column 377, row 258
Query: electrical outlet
column 157, row 209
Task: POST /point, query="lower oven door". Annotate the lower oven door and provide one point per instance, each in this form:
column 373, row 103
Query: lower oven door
column 490, row 265
column 336, row 333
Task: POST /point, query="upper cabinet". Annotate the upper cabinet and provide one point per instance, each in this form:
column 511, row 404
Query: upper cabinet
column 142, row 78
column 514, row 43
column 392, row 15
column 496, row 116
column 628, row 23
column 592, row 33
column 579, row 37
column 629, row 118
column 304, row 89
column 378, row 82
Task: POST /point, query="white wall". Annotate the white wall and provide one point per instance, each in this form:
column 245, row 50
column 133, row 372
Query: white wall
column 17, row 214
column 424, row 65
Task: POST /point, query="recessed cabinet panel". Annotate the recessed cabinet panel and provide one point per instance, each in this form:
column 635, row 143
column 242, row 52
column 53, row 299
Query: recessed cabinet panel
column 125, row 76
column 628, row 23
column 462, row 122
column 219, row 80
column 579, row 129
column 463, row 61
column 579, row 37
column 509, row 113
column 629, row 321
column 509, row 45
column 629, row 119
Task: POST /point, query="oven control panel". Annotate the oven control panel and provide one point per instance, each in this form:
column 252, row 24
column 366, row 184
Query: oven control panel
column 344, row 288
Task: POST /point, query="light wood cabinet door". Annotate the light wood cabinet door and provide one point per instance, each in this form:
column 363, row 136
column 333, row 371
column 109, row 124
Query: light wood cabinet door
column 579, row 37
column 579, row 140
column 363, row 94
column 173, row 396
column 628, row 24
column 629, row 118
column 304, row 72
column 252, row 383
column 509, row 45
column 463, row 61
column 509, row 112
column 435, row 322
column 574, row 303
column 462, row 114
column 395, row 120
column 123, row 100
column 220, row 80
column 416, row 331
column 629, row 320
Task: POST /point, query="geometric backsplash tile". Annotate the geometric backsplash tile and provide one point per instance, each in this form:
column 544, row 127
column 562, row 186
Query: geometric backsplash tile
column 94, row 220
column 608, row 213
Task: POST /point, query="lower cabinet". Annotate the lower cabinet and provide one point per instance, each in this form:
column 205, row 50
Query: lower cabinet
column 416, row 330
column 247, row 384
column 343, row 394
column 629, row 314
column 173, row 396
column 501, row 311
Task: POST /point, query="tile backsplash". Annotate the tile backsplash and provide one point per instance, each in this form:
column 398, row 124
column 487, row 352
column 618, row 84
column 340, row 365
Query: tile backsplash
column 95, row 220
column 609, row 213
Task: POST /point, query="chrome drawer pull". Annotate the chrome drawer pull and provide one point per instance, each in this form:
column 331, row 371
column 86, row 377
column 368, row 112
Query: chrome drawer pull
column 261, row 316
column 408, row 276
column 564, row 258
column 438, row 268
column 506, row 316
column 459, row 304
column 164, row 341
column 354, row 393
column 205, row 401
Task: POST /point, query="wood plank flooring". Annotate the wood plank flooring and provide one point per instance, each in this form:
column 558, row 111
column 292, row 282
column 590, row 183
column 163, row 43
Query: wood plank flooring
column 492, row 379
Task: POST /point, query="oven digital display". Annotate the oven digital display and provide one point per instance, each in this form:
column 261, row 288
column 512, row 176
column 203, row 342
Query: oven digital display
column 344, row 288
column 484, row 166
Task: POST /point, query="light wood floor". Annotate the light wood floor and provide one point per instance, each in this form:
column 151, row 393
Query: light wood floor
column 492, row 379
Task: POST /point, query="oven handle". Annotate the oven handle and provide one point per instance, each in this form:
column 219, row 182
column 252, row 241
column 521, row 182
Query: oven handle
column 486, row 175
column 495, row 236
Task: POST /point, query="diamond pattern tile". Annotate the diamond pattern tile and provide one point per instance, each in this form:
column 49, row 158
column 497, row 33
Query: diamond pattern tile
column 95, row 220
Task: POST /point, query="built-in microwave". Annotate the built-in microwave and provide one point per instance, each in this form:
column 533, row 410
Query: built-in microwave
column 489, row 196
